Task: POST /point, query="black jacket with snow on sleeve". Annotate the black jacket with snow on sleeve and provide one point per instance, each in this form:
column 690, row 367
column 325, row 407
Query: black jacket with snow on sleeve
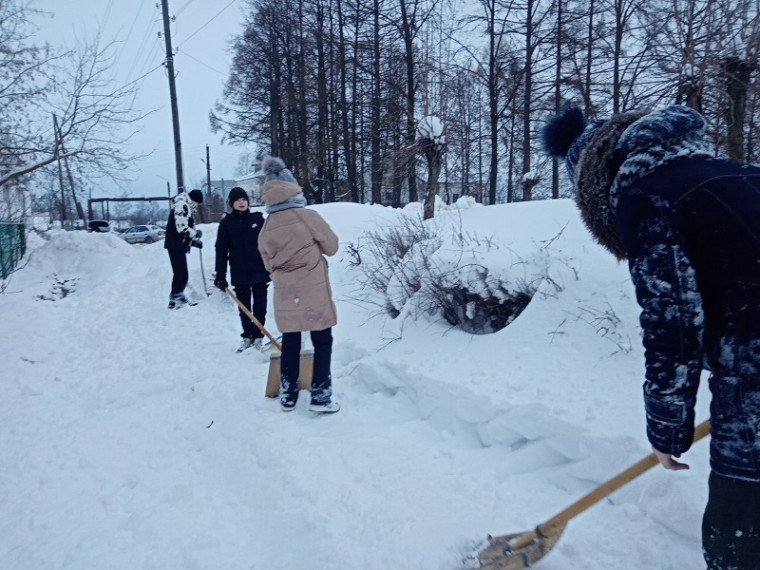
column 691, row 235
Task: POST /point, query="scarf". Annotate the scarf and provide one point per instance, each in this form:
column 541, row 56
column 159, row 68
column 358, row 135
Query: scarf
column 297, row 201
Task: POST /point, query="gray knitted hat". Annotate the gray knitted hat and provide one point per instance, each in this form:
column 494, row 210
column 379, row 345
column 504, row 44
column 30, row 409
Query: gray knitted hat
column 274, row 169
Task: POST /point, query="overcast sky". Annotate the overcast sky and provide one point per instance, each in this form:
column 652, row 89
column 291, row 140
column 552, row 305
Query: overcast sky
column 201, row 36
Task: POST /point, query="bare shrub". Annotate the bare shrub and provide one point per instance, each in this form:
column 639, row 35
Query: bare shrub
column 476, row 314
column 386, row 266
column 607, row 324
column 409, row 271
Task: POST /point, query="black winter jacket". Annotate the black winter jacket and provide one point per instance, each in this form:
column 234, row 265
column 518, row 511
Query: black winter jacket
column 691, row 232
column 237, row 240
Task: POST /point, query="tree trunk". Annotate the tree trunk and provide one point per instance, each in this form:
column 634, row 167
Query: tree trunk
column 408, row 32
column 527, row 188
column 736, row 74
column 349, row 140
column 434, row 155
column 375, row 158
column 322, row 163
column 557, row 93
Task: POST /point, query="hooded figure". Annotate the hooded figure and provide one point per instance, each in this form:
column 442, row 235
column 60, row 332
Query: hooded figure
column 293, row 243
column 650, row 191
column 237, row 242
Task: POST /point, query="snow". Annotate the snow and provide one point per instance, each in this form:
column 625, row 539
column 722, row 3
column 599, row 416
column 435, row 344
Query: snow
column 431, row 128
column 135, row 437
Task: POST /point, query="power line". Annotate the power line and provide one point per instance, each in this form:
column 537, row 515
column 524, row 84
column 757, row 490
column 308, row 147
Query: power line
column 223, row 74
column 143, row 76
column 149, row 29
column 131, row 28
column 184, row 7
column 207, row 23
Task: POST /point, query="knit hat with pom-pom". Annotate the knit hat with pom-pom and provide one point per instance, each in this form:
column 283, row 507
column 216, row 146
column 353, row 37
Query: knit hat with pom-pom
column 274, row 169
column 280, row 190
column 566, row 135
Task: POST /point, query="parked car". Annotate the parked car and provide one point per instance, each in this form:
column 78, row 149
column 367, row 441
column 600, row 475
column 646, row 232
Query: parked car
column 143, row 234
column 99, row 226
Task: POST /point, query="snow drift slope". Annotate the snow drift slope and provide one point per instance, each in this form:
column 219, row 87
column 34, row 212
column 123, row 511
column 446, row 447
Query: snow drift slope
column 136, row 438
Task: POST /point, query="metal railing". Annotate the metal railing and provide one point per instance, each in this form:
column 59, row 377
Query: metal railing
column 12, row 246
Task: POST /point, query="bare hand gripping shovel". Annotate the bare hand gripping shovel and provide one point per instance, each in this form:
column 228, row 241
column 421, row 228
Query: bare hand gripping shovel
column 523, row 549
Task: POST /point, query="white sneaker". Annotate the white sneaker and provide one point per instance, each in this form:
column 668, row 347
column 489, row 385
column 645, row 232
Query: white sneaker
column 247, row 343
column 328, row 408
column 257, row 343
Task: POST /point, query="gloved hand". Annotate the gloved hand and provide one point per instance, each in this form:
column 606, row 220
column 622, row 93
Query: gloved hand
column 197, row 243
column 221, row 282
column 198, row 234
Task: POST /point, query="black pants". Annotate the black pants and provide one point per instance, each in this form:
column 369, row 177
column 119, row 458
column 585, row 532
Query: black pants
column 178, row 259
column 256, row 292
column 731, row 524
column 321, row 381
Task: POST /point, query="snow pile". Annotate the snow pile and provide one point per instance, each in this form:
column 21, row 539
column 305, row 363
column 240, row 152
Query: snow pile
column 135, row 436
column 431, row 128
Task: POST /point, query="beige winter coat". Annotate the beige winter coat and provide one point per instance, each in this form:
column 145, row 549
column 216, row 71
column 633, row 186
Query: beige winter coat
column 292, row 243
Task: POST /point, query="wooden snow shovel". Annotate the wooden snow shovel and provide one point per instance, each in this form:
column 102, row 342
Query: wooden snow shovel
column 305, row 366
column 523, row 549
column 203, row 273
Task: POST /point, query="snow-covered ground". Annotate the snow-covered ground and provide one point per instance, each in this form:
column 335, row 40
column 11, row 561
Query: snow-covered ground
column 136, row 438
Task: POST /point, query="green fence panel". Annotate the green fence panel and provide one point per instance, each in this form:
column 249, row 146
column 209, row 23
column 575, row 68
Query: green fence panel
column 12, row 246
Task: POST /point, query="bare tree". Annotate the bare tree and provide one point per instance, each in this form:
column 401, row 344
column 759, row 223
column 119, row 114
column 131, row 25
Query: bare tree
column 738, row 56
column 92, row 117
column 334, row 86
column 23, row 87
column 432, row 144
column 537, row 39
column 492, row 72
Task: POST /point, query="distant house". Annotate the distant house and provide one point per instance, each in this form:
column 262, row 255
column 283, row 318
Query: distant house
column 222, row 186
column 214, row 205
column 15, row 202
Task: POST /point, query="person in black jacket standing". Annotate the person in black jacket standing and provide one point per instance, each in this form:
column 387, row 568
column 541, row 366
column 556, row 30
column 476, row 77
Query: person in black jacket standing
column 237, row 241
column 180, row 235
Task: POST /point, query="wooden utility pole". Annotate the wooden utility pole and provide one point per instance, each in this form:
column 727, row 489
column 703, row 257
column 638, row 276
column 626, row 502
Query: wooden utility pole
column 208, row 174
column 60, row 170
column 173, row 96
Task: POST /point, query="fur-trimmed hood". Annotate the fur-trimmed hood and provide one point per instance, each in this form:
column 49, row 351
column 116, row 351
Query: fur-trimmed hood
column 607, row 157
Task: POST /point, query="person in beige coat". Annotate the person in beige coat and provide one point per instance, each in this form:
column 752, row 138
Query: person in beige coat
column 293, row 243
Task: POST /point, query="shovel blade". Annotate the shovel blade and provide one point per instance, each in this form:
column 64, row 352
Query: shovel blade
column 305, row 373
column 518, row 550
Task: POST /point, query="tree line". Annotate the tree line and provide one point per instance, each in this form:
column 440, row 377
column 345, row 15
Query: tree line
column 338, row 88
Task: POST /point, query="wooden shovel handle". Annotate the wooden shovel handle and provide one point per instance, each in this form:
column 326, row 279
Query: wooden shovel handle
column 560, row 519
column 253, row 319
column 203, row 273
